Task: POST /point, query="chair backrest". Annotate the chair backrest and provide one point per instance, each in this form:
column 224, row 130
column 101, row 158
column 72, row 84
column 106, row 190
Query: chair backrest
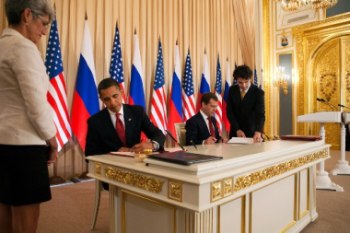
column 180, row 133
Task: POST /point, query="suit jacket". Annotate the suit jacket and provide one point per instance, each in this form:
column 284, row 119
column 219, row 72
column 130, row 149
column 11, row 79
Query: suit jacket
column 248, row 114
column 102, row 138
column 197, row 130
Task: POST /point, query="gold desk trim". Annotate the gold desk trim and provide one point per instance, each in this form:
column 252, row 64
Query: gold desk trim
column 98, row 168
column 135, row 179
column 270, row 172
column 221, row 188
column 175, row 190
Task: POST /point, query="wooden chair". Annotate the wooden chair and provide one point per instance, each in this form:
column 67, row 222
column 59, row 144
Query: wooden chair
column 180, row 133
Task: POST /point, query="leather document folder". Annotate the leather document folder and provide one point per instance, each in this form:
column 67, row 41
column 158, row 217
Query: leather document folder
column 301, row 137
column 183, row 157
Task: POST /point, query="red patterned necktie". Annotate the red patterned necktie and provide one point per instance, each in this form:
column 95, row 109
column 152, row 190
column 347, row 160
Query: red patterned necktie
column 119, row 128
column 211, row 127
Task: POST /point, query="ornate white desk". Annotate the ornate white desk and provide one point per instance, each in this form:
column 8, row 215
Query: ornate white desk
column 265, row 188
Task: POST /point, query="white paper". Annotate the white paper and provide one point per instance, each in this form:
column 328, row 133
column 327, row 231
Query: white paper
column 126, row 154
column 239, row 140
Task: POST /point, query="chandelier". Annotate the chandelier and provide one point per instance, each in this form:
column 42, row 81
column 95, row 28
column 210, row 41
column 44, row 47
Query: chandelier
column 292, row 5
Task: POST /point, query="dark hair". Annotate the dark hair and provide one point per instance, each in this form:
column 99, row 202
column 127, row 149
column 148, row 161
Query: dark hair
column 242, row 71
column 106, row 83
column 15, row 8
column 206, row 97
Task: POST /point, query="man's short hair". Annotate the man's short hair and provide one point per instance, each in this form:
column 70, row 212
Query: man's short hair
column 242, row 71
column 206, row 97
column 107, row 83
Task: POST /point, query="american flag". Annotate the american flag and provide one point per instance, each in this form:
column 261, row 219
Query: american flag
column 158, row 102
column 57, row 94
column 205, row 82
column 234, row 80
column 255, row 81
column 218, row 93
column 188, row 90
column 116, row 67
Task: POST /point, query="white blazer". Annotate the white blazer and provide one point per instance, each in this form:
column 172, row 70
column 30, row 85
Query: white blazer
column 26, row 118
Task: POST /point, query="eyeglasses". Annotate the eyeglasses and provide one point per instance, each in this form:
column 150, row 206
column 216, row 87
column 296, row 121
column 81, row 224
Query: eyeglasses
column 44, row 22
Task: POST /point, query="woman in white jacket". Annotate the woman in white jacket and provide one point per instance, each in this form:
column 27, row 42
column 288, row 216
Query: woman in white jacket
column 27, row 131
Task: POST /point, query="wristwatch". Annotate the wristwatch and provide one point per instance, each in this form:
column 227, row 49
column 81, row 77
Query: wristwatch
column 155, row 146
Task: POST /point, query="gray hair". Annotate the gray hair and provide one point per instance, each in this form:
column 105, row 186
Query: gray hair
column 15, row 8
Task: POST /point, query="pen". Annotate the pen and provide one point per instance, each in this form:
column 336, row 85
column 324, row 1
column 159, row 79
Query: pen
column 193, row 144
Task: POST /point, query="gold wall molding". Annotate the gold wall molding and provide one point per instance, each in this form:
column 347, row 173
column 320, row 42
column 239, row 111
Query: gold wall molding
column 268, row 128
column 135, row 179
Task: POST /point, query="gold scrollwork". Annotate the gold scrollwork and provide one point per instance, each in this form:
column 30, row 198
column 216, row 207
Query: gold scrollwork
column 267, row 173
column 175, row 190
column 98, row 169
column 134, row 179
column 328, row 85
column 216, row 190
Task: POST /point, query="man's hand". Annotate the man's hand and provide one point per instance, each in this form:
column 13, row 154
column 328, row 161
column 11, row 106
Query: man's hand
column 257, row 137
column 53, row 150
column 140, row 147
column 210, row 140
column 240, row 133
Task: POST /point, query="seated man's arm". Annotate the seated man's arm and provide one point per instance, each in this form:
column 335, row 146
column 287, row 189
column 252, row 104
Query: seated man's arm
column 192, row 133
column 152, row 132
column 93, row 144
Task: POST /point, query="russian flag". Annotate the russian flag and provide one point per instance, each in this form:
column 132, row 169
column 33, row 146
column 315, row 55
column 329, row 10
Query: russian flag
column 205, row 82
column 225, row 120
column 85, row 98
column 175, row 101
column 137, row 91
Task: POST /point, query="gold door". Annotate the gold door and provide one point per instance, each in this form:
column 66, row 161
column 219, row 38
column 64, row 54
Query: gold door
column 324, row 72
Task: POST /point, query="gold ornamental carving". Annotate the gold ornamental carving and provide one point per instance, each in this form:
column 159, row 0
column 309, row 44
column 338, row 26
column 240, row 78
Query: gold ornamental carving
column 328, row 85
column 216, row 190
column 138, row 180
column 98, row 169
column 244, row 182
column 228, row 186
column 175, row 190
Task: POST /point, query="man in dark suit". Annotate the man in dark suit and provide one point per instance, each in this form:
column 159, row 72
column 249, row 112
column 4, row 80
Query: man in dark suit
column 202, row 128
column 118, row 127
column 245, row 106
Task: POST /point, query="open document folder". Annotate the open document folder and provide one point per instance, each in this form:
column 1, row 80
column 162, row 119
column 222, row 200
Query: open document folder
column 238, row 140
